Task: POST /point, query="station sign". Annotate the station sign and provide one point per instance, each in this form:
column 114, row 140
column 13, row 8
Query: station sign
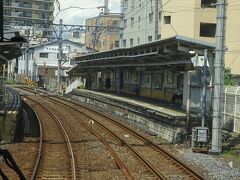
column 55, row 49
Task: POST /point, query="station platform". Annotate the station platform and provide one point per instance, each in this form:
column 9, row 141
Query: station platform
column 156, row 116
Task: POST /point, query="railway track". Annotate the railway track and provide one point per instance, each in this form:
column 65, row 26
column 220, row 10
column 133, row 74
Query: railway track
column 55, row 158
column 136, row 156
column 166, row 166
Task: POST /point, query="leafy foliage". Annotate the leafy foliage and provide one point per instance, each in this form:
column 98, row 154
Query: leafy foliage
column 228, row 77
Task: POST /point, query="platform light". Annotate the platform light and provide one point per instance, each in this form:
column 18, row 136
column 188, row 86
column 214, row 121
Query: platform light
column 191, row 52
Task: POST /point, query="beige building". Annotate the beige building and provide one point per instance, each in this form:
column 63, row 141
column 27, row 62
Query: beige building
column 102, row 39
column 196, row 19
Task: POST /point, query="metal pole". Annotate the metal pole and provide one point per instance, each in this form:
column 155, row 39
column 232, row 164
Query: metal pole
column 105, row 11
column 59, row 58
column 218, row 79
column 27, row 54
column 156, row 19
column 121, row 29
column 1, row 21
column 204, row 80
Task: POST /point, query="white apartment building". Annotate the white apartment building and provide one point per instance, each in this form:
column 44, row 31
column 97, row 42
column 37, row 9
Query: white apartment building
column 149, row 20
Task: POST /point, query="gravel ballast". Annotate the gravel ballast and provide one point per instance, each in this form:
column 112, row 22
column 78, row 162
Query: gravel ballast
column 214, row 168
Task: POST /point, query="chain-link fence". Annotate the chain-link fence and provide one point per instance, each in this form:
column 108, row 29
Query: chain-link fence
column 231, row 113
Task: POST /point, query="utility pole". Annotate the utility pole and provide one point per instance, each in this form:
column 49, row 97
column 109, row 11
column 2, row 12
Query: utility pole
column 204, row 81
column 1, row 21
column 218, row 78
column 27, row 54
column 59, row 58
column 105, row 11
column 156, row 19
column 121, row 29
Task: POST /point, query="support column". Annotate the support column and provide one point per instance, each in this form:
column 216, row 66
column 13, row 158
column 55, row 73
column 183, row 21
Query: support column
column 118, row 81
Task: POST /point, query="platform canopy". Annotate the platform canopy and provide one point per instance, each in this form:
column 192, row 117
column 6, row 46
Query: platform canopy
column 9, row 51
column 177, row 50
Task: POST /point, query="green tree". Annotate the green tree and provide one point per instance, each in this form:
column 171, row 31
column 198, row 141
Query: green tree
column 228, row 77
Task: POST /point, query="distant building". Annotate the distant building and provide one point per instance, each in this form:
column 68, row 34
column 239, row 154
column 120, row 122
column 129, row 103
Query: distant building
column 103, row 39
column 43, row 63
column 29, row 13
column 147, row 21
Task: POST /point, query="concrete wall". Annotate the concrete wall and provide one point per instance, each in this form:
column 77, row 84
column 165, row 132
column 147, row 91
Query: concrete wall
column 157, row 123
column 232, row 56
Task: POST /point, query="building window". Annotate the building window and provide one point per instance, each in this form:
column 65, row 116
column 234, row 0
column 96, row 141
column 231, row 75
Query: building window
column 126, row 76
column 208, row 3
column 157, row 80
column 207, row 29
column 76, row 35
column 116, row 43
column 43, row 55
column 159, row 36
column 131, row 42
column 111, row 46
column 150, row 16
column 115, row 23
column 125, row 23
column 124, row 43
column 132, row 21
column 167, row 19
column 138, row 40
column 133, row 4
column 135, row 77
column 146, row 80
column 149, row 38
column 169, row 77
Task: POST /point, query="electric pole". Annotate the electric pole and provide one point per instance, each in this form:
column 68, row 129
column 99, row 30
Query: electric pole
column 156, row 20
column 59, row 58
column 218, row 78
column 1, row 21
column 121, row 29
column 204, row 82
column 27, row 54
column 105, row 11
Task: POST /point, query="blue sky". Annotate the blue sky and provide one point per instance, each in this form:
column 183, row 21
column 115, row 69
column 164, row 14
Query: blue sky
column 78, row 16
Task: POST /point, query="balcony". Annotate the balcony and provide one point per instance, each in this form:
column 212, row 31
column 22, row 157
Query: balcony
column 49, row 1
column 19, row 5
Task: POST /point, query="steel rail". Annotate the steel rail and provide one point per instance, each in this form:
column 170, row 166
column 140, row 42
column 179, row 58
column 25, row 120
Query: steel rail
column 146, row 162
column 65, row 136
column 116, row 158
column 40, row 149
column 162, row 151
